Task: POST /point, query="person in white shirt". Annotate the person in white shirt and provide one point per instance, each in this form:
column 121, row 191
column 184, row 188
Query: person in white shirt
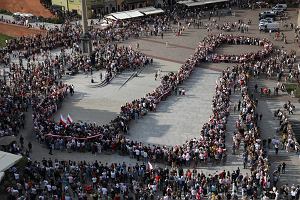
column 17, row 176
column 145, row 156
column 137, row 154
column 104, row 191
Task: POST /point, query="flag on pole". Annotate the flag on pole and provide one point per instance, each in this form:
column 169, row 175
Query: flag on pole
column 62, row 120
column 69, row 119
column 150, row 165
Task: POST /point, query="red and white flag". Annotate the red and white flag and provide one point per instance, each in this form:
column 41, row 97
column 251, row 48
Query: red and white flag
column 150, row 165
column 62, row 120
column 69, row 119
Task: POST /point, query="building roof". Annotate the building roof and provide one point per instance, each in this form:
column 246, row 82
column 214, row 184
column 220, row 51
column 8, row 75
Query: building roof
column 191, row 3
column 152, row 12
column 134, row 13
column 133, row 1
column 139, row 12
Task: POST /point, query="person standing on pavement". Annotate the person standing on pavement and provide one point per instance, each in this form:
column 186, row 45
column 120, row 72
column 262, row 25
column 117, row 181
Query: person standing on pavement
column 29, row 146
column 22, row 141
column 276, row 148
column 283, row 167
column 269, row 142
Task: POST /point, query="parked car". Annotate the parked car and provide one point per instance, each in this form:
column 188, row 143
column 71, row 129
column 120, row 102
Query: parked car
column 268, row 20
column 280, row 7
column 267, row 14
column 265, row 21
column 273, row 26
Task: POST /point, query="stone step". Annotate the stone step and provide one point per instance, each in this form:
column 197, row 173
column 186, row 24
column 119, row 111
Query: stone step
column 296, row 129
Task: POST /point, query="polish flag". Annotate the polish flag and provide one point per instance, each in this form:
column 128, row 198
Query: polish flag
column 150, row 165
column 62, row 120
column 69, row 119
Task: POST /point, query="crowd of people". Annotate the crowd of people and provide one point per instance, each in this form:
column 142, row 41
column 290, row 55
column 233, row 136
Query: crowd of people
column 12, row 110
column 246, row 57
column 117, row 59
column 112, row 137
column 46, row 93
column 38, row 84
column 21, row 21
column 287, row 139
column 82, row 180
column 68, row 35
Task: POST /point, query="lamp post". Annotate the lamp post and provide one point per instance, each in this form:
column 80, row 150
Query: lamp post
column 86, row 45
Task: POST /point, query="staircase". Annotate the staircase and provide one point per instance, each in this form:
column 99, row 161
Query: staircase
column 296, row 129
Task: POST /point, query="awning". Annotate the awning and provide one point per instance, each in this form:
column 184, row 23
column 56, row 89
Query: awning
column 139, row 12
column 110, row 17
column 120, row 15
column 126, row 14
column 150, row 10
column 157, row 11
column 134, row 13
column 8, row 160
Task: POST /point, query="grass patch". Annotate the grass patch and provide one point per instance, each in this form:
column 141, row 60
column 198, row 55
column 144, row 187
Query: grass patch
column 293, row 87
column 3, row 38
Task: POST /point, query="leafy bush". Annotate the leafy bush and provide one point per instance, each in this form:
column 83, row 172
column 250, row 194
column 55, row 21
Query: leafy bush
column 5, row 12
column 51, row 20
column 293, row 87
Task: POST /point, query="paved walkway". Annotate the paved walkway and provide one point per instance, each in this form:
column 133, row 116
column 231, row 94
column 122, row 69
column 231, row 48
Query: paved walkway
column 179, row 118
column 268, row 126
column 102, row 104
